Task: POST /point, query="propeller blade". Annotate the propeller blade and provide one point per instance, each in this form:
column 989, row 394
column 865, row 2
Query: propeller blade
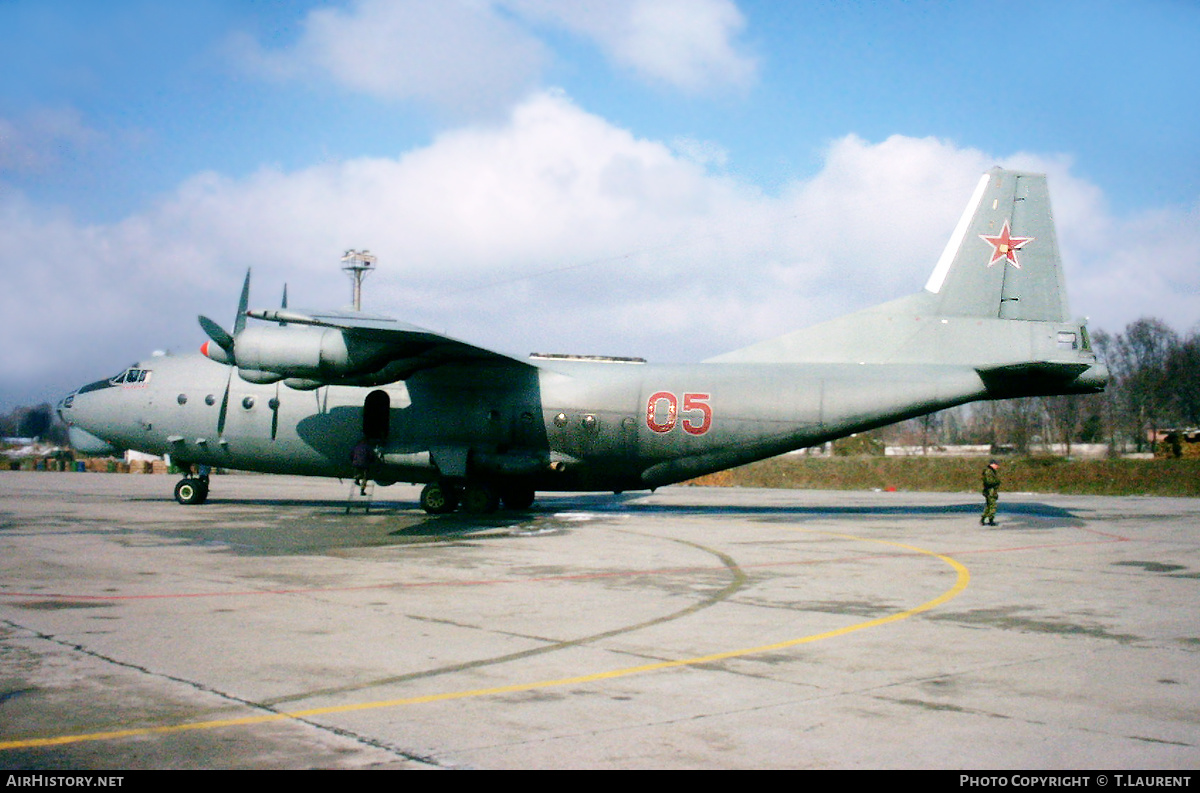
column 217, row 334
column 274, row 405
column 240, row 321
column 224, row 406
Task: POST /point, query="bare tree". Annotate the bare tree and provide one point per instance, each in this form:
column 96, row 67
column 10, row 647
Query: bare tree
column 1183, row 378
column 1062, row 417
column 1144, row 350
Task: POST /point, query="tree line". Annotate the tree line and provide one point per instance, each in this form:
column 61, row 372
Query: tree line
column 39, row 422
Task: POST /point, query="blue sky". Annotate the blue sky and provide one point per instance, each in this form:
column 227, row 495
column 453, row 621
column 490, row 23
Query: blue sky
column 666, row 178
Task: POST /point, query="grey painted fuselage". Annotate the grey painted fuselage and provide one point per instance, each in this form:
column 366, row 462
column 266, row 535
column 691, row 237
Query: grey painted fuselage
column 992, row 323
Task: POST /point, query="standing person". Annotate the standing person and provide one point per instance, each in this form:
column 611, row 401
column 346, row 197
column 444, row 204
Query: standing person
column 991, row 493
column 361, row 458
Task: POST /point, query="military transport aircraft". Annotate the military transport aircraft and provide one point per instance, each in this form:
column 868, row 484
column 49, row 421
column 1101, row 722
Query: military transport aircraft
column 296, row 391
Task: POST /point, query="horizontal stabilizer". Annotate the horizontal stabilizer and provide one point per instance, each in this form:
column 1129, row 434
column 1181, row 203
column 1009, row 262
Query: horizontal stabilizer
column 1043, row 378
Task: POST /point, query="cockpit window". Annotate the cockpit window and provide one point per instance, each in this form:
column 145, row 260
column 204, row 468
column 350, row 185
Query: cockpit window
column 131, row 376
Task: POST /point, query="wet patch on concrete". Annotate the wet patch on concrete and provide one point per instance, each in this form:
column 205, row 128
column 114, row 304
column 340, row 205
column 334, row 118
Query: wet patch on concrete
column 1157, row 740
column 926, row 705
column 51, row 605
column 848, row 608
column 772, row 659
column 1023, row 514
column 328, row 533
column 534, row 696
column 945, row 707
column 1152, row 567
column 7, row 695
column 851, row 608
column 1011, row 619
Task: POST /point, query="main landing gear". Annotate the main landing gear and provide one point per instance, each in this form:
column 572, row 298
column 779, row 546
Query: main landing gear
column 475, row 498
column 192, row 490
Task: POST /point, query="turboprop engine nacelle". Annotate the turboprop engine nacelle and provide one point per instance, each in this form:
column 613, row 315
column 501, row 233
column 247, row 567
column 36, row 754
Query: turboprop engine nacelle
column 214, row 351
column 293, row 351
column 272, row 353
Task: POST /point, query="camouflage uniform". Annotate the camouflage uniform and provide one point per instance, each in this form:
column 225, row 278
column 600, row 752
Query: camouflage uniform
column 991, row 493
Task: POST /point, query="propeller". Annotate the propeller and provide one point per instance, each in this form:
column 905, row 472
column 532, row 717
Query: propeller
column 224, row 340
column 226, row 344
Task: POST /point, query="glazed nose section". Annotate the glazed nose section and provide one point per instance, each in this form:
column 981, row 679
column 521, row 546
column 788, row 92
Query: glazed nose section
column 72, row 409
column 64, row 405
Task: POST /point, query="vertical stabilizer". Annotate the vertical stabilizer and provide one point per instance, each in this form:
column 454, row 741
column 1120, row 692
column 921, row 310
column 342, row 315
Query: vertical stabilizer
column 1002, row 260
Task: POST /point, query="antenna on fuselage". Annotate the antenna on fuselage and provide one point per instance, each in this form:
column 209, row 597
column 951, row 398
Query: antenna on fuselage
column 357, row 264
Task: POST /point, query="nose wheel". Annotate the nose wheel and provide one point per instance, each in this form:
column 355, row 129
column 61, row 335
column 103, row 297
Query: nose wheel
column 192, row 490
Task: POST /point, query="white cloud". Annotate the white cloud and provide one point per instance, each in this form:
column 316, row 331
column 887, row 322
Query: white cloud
column 554, row 231
column 40, row 140
column 686, row 44
column 457, row 54
column 476, row 56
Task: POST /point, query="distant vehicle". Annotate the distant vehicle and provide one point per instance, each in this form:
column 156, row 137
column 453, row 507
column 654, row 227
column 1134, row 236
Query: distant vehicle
column 295, row 392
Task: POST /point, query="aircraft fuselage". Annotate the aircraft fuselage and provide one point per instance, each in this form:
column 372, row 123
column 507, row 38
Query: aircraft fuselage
column 299, row 392
column 571, row 425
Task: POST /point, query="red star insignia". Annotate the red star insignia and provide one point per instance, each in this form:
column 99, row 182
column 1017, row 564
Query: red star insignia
column 1005, row 245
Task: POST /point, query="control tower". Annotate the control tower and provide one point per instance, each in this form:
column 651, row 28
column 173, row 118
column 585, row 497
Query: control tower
column 357, row 264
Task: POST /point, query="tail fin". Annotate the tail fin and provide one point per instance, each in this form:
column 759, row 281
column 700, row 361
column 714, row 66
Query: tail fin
column 1001, row 264
column 1002, row 260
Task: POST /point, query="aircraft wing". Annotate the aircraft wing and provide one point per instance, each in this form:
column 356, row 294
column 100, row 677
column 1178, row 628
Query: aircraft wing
column 396, row 349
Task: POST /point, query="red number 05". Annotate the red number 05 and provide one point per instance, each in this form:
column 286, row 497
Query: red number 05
column 691, row 403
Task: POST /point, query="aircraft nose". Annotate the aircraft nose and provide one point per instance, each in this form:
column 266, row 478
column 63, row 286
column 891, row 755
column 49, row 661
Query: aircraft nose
column 64, row 405
column 72, row 410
